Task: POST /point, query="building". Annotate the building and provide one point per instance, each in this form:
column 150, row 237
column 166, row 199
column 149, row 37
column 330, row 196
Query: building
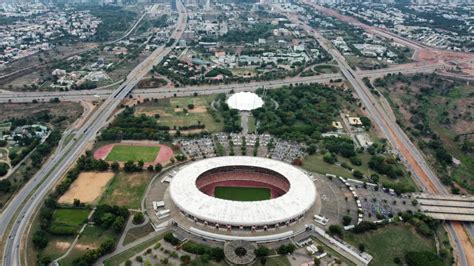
column 192, row 188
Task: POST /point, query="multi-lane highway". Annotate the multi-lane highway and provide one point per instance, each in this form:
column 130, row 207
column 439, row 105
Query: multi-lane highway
column 27, row 97
column 18, row 214
column 400, row 142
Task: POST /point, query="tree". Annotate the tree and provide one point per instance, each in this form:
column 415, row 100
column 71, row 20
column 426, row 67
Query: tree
column 286, row 249
column 40, row 239
column 361, row 247
column 317, row 262
column 346, row 220
column 150, row 168
column 3, row 168
column 158, row 167
column 311, row 149
column 358, row 174
column 335, row 230
column 366, row 122
column 76, row 203
column 421, row 258
column 138, row 218
column 118, row 224
column 262, row 251
column 115, row 166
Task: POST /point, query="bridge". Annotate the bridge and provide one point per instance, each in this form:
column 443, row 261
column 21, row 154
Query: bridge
column 447, row 207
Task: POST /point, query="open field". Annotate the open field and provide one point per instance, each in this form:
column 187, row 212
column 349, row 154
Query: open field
column 316, row 164
column 87, row 187
column 150, row 152
column 91, row 238
column 242, row 193
column 392, row 241
column 123, row 153
column 177, row 112
column 127, row 189
column 70, row 219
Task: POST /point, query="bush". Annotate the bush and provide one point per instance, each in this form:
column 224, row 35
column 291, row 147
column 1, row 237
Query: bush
column 364, row 226
column 40, row 239
column 170, row 238
column 421, row 258
column 262, row 251
column 358, row 174
column 335, row 230
column 138, row 218
column 286, row 249
column 214, row 253
column 346, row 220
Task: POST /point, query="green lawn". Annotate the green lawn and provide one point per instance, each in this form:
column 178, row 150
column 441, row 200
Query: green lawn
column 127, row 189
column 91, row 238
column 123, row 153
column 171, row 112
column 69, row 218
column 390, row 242
column 252, row 124
column 275, row 261
column 242, row 193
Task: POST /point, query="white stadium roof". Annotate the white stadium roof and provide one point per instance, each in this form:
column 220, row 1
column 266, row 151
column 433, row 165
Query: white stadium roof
column 299, row 198
column 245, row 101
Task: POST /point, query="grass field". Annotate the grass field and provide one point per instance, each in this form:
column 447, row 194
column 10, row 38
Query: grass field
column 390, row 242
column 91, row 238
column 171, row 112
column 242, row 193
column 123, row 153
column 252, row 124
column 69, row 218
column 127, row 189
column 275, row 261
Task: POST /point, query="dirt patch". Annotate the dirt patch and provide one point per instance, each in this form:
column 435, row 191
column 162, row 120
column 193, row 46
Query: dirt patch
column 85, row 247
column 198, row 109
column 87, row 187
column 164, row 155
column 62, row 245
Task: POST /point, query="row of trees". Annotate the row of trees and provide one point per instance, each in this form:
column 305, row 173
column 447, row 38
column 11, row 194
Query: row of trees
column 129, row 126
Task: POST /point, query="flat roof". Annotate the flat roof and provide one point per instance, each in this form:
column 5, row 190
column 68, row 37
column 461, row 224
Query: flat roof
column 299, row 198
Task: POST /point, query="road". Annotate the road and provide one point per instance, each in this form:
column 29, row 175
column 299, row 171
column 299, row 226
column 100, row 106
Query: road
column 22, row 208
column 28, row 97
column 400, row 142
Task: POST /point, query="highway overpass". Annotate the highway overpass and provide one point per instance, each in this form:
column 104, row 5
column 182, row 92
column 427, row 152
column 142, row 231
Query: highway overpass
column 447, row 207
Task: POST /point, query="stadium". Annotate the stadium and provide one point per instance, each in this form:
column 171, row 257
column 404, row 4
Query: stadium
column 240, row 193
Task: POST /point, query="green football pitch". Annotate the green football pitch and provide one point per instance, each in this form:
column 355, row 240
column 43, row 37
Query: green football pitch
column 125, row 153
column 242, row 193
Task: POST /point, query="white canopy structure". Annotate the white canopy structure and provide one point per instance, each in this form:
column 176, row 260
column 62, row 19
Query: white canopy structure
column 245, row 101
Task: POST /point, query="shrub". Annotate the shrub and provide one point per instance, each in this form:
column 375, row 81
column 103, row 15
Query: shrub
column 262, row 251
column 336, row 230
column 346, row 220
